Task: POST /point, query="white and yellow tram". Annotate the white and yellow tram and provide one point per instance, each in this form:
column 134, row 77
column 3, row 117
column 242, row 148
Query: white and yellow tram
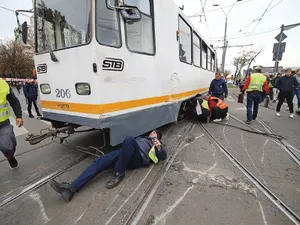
column 122, row 65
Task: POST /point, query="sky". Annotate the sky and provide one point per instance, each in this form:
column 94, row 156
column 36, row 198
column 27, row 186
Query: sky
column 243, row 13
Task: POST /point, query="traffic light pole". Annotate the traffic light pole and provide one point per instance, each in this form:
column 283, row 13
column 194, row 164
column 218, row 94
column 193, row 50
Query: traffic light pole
column 278, row 50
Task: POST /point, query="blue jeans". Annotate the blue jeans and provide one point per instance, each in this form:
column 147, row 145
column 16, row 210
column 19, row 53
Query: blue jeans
column 297, row 93
column 127, row 157
column 8, row 141
column 254, row 99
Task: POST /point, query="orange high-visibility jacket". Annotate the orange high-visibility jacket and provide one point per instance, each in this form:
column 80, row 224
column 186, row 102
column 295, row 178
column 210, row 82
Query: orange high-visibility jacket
column 220, row 104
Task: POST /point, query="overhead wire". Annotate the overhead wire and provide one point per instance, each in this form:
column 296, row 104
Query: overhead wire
column 2, row 7
column 212, row 10
column 261, row 17
column 257, row 18
column 253, row 34
column 203, row 13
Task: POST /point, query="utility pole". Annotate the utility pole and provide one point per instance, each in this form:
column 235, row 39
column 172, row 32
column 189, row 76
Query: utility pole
column 225, row 34
column 224, row 47
column 278, row 49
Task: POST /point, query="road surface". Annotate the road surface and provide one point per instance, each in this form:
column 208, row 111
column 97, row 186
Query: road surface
column 197, row 184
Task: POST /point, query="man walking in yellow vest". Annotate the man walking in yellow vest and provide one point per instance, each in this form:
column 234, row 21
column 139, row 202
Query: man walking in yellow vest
column 8, row 141
column 254, row 86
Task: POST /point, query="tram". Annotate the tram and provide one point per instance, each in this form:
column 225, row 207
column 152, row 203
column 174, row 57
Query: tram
column 126, row 66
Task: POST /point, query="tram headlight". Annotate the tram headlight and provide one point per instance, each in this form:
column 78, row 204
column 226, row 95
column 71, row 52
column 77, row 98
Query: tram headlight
column 83, row 89
column 45, row 88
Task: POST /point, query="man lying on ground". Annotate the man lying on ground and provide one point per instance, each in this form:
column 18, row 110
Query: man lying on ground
column 135, row 153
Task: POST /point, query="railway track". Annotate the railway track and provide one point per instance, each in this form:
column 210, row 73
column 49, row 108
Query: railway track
column 146, row 197
column 263, row 188
column 176, row 145
column 11, row 198
column 283, row 144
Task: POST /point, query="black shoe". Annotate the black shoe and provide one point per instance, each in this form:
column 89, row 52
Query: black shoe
column 247, row 121
column 64, row 189
column 117, row 178
column 13, row 162
column 39, row 115
column 31, row 116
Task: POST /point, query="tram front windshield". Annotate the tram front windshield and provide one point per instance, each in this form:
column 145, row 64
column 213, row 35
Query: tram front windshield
column 62, row 24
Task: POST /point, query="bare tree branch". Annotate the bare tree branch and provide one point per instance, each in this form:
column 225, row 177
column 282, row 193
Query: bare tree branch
column 243, row 59
column 16, row 59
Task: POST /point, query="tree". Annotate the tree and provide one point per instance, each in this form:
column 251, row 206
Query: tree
column 16, row 59
column 243, row 59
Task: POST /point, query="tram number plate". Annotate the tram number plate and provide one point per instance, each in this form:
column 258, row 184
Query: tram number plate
column 63, row 106
column 63, row 93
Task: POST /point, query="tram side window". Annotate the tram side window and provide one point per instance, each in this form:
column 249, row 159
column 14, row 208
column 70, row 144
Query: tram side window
column 209, row 60
column 185, row 42
column 140, row 35
column 107, row 25
column 204, row 55
column 213, row 61
column 196, row 50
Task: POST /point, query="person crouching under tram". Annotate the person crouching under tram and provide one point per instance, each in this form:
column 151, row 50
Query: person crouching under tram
column 134, row 153
column 218, row 109
column 198, row 109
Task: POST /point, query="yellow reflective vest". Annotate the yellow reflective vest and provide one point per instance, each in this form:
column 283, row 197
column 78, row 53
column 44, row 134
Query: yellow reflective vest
column 205, row 104
column 256, row 82
column 270, row 83
column 4, row 91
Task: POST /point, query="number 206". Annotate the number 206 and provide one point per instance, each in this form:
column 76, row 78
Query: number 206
column 61, row 93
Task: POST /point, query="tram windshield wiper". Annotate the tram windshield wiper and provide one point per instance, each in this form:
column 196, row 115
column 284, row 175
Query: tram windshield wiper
column 44, row 36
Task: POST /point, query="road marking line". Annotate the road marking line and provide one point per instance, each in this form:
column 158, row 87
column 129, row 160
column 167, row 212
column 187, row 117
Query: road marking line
column 36, row 197
column 229, row 98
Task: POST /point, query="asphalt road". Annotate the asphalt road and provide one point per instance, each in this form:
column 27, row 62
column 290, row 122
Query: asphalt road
column 197, row 184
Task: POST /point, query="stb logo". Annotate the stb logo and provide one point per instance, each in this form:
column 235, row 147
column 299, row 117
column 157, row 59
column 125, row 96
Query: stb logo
column 113, row 64
column 41, row 68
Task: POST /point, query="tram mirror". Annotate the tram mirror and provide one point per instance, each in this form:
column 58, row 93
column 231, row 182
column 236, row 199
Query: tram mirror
column 131, row 14
column 24, row 32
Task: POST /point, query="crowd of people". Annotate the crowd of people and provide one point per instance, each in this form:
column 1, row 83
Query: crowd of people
column 278, row 88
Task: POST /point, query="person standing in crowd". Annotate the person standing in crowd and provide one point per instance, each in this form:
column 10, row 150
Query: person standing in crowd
column 254, row 86
column 218, row 87
column 270, row 83
column 218, row 109
column 30, row 90
column 287, row 85
column 297, row 91
column 18, row 86
column 8, row 141
column 274, row 83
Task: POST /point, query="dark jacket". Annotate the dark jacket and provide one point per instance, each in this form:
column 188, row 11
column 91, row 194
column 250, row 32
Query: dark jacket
column 218, row 87
column 287, row 83
column 146, row 144
column 30, row 91
column 275, row 81
column 16, row 106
